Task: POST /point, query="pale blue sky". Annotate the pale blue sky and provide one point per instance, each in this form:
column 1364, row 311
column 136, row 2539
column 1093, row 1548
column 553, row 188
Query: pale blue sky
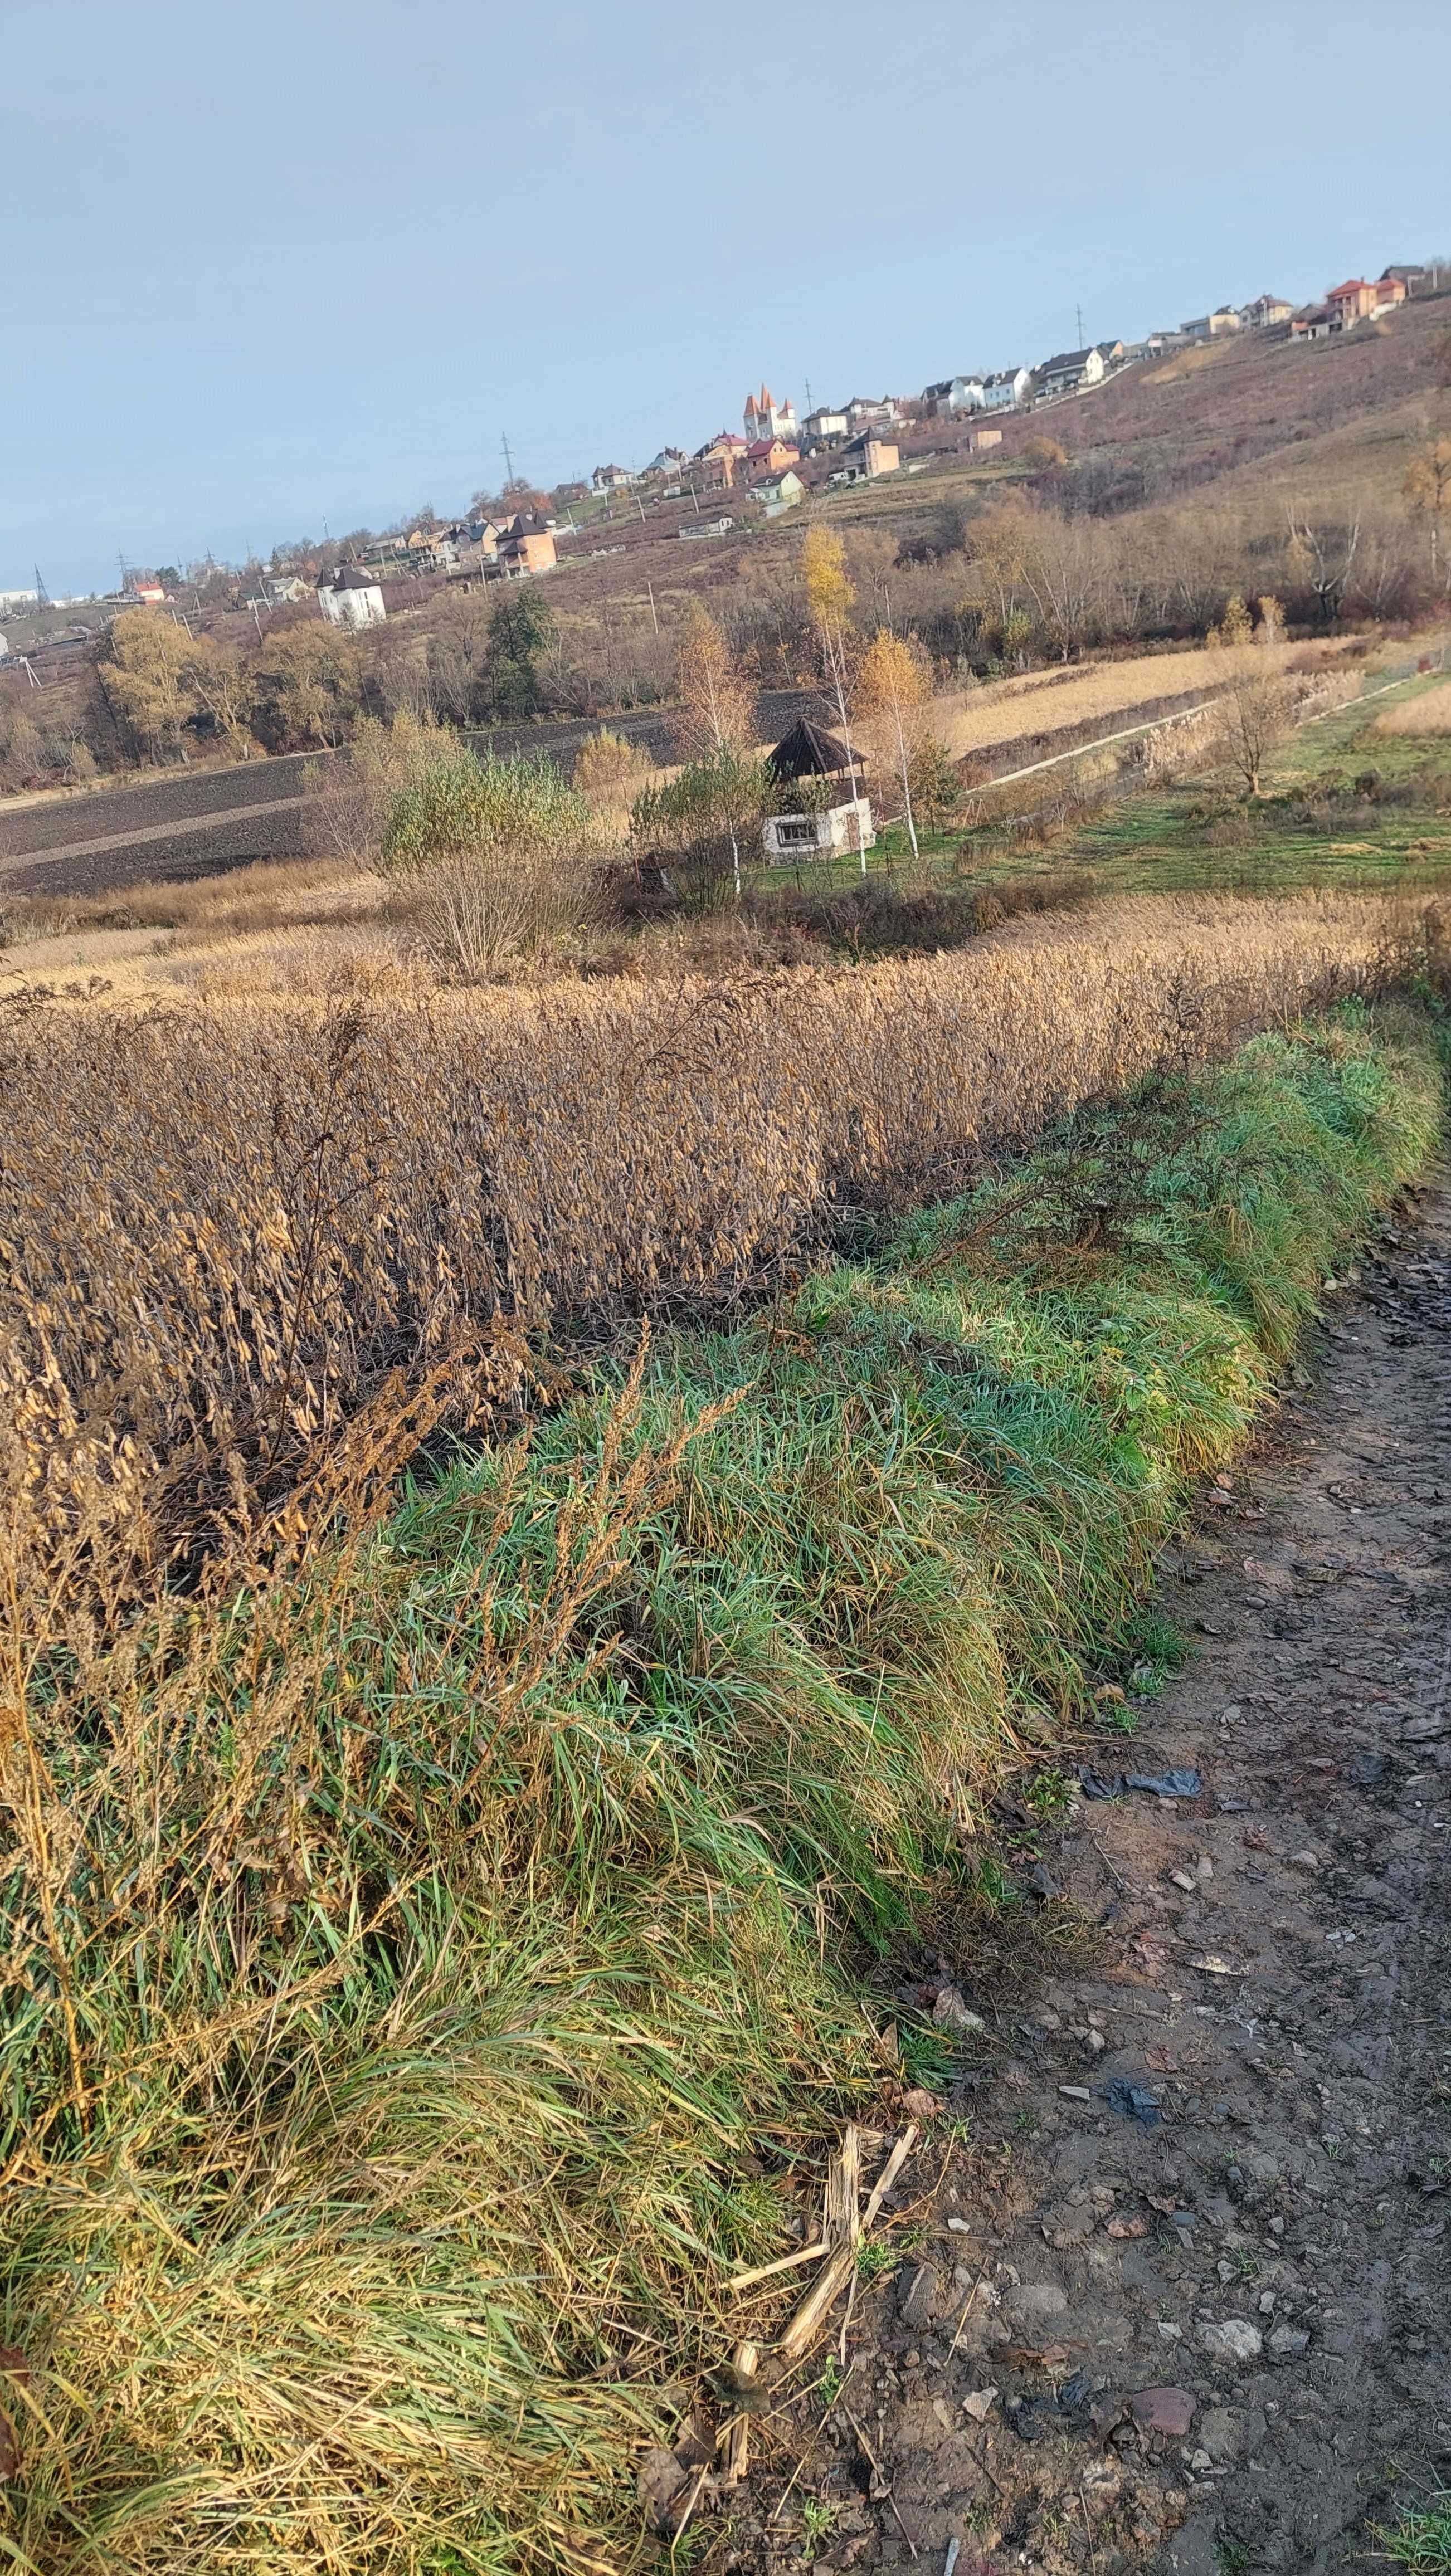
column 298, row 259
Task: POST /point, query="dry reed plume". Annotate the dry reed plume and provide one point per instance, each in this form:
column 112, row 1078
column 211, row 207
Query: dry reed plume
column 222, row 1231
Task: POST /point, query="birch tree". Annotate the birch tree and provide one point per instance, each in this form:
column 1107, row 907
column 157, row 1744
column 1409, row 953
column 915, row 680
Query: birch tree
column 717, row 721
column 829, row 596
column 893, row 692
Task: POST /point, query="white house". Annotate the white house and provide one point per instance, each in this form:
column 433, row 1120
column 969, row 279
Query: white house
column 1071, row 368
column 819, row 836
column 966, row 393
column 779, row 492
column 351, row 596
column 1005, row 390
column 611, row 478
column 826, row 423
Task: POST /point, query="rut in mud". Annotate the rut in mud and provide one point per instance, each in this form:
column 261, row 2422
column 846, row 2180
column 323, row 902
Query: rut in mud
column 1219, row 2342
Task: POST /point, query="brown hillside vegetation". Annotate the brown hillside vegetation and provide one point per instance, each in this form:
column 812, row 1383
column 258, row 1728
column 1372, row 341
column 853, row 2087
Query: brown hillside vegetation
column 1179, row 427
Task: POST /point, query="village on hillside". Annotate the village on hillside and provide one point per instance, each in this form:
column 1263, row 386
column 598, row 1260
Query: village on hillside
column 738, row 478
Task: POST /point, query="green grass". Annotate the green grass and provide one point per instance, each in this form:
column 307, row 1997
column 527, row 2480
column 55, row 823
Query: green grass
column 1344, row 806
column 1420, row 2542
column 433, row 1956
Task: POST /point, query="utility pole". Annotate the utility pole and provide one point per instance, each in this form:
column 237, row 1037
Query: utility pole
column 650, row 595
column 1078, row 309
column 42, row 595
column 508, row 459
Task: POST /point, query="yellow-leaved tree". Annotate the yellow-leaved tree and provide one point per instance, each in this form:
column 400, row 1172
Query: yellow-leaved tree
column 893, row 694
column 149, row 678
column 829, row 597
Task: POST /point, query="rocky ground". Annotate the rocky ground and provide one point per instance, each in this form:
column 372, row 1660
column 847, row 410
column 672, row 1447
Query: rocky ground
column 1199, row 2325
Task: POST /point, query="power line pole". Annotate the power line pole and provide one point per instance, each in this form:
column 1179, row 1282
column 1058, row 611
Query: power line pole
column 1078, row 309
column 42, row 595
column 508, row 459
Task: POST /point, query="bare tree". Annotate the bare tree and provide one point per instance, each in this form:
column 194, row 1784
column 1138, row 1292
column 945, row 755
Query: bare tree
column 1257, row 713
column 718, row 706
column 1322, row 557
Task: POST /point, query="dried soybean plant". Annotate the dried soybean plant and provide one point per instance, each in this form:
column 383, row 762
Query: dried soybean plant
column 223, row 1230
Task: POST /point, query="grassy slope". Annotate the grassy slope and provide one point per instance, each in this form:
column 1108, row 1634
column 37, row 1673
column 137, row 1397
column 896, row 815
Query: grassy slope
column 429, row 1952
column 1314, row 826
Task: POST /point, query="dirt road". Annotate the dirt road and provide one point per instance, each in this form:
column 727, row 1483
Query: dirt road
column 1258, row 2264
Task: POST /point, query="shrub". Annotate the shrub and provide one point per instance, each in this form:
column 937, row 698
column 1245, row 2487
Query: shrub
column 704, row 825
column 494, row 857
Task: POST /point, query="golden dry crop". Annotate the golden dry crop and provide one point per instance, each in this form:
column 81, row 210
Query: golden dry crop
column 1045, row 701
column 224, row 1228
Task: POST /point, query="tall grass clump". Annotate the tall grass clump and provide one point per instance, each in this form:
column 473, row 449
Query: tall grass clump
column 428, row 1939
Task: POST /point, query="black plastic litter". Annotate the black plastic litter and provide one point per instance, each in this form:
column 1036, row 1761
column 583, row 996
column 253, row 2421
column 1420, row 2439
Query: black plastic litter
column 1040, row 1882
column 1075, row 2401
column 1094, row 1785
column 1152, row 1784
column 1367, row 1770
column 1025, row 2422
column 1132, row 2101
column 1166, row 1784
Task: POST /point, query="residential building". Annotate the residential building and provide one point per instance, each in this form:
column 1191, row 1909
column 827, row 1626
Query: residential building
column 1007, row 388
column 526, row 546
column 714, row 465
column 143, row 590
column 611, row 478
column 779, row 492
column 764, row 417
column 1070, row 369
column 1360, row 299
column 1314, row 322
column 825, row 424
column 671, row 460
column 769, row 455
column 1265, row 312
column 1160, row 343
column 282, row 589
column 964, row 393
column 864, row 458
column 864, row 412
column 350, row 596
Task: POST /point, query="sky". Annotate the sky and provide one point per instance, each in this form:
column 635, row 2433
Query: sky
column 298, row 262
